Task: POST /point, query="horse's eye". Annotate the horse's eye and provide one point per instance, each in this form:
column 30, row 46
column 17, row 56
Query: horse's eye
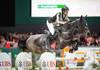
column 43, row 42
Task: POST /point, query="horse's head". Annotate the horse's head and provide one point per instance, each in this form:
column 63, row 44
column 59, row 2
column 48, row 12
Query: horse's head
column 80, row 26
column 84, row 25
column 42, row 41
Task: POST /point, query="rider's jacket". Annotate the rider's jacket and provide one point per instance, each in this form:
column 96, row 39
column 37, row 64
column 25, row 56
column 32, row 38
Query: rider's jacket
column 58, row 19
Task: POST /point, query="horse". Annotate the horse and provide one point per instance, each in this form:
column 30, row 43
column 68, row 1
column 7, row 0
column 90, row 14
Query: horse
column 71, row 32
column 40, row 43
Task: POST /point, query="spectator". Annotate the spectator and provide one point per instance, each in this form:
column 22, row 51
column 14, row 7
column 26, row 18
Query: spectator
column 98, row 41
column 2, row 41
column 15, row 42
column 89, row 40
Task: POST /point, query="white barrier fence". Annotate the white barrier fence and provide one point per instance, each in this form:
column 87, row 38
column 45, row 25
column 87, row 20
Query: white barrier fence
column 80, row 56
column 24, row 60
column 5, row 61
column 48, row 61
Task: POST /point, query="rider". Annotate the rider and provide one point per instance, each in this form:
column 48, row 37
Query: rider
column 59, row 19
column 56, row 22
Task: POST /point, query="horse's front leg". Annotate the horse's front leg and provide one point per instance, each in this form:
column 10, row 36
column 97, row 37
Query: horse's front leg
column 35, row 60
column 58, row 48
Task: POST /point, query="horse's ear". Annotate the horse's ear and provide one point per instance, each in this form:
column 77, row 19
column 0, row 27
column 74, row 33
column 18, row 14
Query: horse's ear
column 86, row 17
column 81, row 17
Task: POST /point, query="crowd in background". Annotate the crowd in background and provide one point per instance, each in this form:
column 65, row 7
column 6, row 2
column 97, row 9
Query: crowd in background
column 92, row 39
column 14, row 39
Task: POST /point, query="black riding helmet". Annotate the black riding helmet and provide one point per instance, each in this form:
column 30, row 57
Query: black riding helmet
column 65, row 8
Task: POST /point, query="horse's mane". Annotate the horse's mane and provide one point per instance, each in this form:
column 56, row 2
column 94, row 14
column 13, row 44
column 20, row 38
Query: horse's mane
column 75, row 21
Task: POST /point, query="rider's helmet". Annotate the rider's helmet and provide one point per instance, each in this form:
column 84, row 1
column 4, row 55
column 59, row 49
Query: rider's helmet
column 65, row 8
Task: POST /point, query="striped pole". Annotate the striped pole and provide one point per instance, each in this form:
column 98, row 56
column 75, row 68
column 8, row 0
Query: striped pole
column 67, row 67
column 66, row 49
column 60, row 67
